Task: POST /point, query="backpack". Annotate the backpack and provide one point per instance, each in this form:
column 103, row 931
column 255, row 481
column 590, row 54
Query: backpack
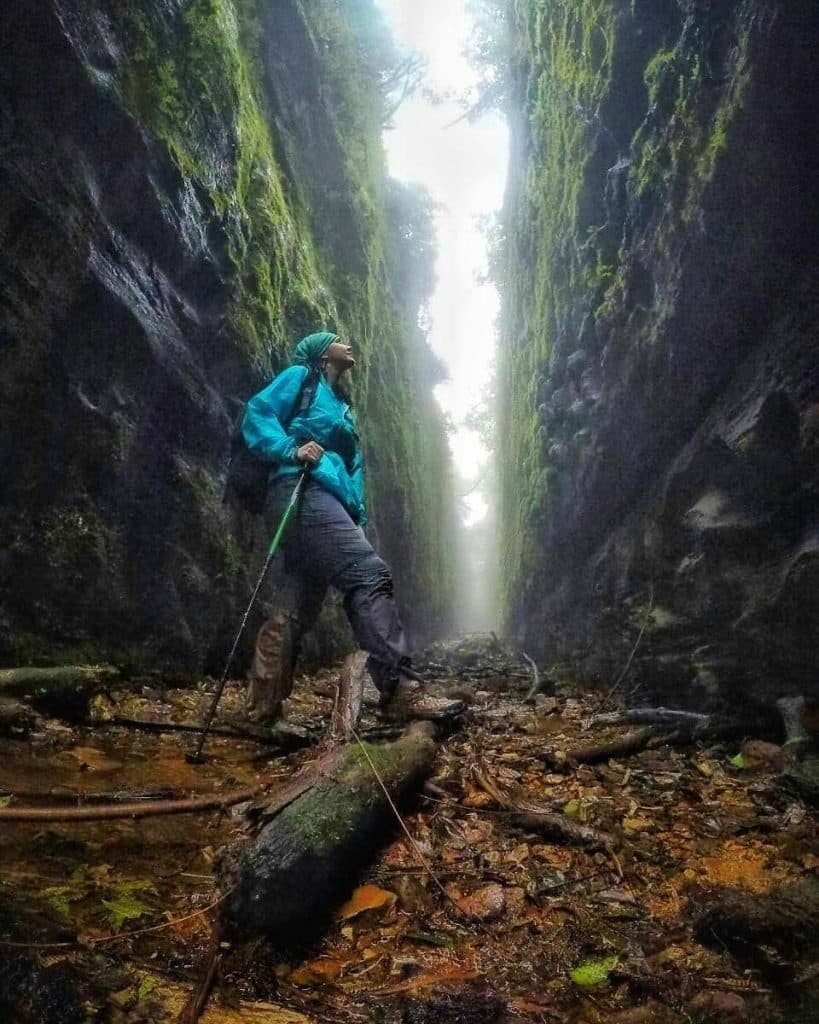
column 247, row 475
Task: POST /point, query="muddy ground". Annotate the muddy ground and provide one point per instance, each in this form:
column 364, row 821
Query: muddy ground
column 111, row 921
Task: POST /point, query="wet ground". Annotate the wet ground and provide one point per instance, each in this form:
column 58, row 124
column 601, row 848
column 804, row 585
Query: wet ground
column 496, row 924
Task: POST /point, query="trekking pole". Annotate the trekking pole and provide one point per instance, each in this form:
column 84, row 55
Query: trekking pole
column 197, row 758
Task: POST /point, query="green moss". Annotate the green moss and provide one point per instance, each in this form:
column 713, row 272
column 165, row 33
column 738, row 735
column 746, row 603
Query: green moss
column 677, row 150
column 569, row 50
column 193, row 79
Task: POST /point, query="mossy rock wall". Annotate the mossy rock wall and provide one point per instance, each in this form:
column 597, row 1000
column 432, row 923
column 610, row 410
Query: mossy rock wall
column 188, row 187
column 660, row 343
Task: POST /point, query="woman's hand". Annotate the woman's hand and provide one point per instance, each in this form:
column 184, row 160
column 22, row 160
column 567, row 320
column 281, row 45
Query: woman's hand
column 310, row 453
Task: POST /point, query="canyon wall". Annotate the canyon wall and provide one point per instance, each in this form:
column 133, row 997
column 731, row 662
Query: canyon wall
column 659, row 420
column 189, row 186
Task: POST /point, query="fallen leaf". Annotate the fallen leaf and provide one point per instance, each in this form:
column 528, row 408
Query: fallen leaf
column 594, row 972
column 317, row 972
column 431, row 938
column 578, row 809
column 60, row 898
column 729, row 1007
column 367, row 897
column 633, row 826
column 125, row 904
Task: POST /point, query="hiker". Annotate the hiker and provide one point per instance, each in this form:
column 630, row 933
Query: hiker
column 303, row 418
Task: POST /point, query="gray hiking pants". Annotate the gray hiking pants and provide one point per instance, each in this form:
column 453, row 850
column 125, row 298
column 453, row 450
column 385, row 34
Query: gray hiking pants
column 324, row 548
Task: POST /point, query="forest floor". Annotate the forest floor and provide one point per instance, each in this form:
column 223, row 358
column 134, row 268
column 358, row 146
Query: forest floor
column 493, row 926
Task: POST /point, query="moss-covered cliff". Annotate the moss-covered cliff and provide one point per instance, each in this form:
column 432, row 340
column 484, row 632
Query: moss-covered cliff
column 188, row 186
column 659, row 341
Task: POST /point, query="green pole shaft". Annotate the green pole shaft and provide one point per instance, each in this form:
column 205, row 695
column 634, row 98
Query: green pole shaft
column 274, row 544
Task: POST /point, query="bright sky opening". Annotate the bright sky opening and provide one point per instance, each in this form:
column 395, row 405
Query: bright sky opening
column 464, row 167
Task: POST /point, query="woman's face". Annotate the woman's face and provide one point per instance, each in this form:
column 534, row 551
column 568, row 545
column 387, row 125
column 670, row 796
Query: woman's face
column 339, row 355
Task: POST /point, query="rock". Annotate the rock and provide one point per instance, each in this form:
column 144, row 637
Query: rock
column 759, row 754
column 485, row 904
column 577, row 362
column 720, row 1007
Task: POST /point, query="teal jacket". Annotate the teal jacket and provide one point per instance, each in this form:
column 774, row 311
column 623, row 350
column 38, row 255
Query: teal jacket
column 329, row 421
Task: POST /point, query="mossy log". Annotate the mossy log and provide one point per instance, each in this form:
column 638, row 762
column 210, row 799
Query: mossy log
column 63, row 690
column 304, row 862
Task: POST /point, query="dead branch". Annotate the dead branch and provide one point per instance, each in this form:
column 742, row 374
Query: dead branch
column 282, row 735
column 563, row 829
column 630, row 743
column 653, row 716
column 62, row 794
column 545, row 822
column 189, row 805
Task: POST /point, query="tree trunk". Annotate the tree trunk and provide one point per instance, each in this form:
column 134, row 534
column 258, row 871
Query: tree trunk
column 305, row 860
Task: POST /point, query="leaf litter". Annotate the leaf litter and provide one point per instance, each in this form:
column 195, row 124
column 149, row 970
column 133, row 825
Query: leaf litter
column 529, row 929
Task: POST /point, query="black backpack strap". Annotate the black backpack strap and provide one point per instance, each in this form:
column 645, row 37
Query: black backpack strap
column 305, row 397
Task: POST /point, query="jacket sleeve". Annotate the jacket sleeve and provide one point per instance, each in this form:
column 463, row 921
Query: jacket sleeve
column 357, row 481
column 266, row 414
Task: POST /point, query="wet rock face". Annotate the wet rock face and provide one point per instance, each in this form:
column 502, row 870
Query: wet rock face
column 678, row 402
column 167, row 181
column 109, row 423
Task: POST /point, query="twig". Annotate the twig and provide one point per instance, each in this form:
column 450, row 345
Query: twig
column 108, row 796
column 535, row 687
column 627, row 666
column 282, row 735
column 105, row 939
column 198, row 1000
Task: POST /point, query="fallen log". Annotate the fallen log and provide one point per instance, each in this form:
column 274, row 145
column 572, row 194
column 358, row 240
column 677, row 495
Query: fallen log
column 64, row 690
column 303, row 862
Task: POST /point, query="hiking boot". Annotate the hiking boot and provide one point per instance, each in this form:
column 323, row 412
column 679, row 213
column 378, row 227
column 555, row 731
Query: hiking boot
column 271, row 674
column 411, row 702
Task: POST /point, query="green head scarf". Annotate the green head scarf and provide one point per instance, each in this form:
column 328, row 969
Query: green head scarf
column 310, row 349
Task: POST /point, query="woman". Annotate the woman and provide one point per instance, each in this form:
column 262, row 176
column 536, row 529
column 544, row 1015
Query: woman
column 303, row 418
